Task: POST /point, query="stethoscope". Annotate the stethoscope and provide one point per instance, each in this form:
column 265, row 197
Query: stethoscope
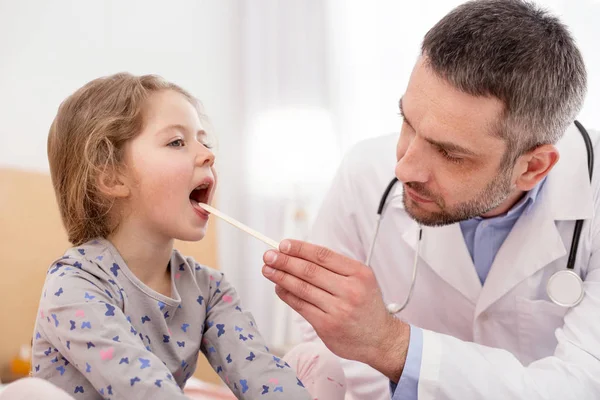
column 564, row 288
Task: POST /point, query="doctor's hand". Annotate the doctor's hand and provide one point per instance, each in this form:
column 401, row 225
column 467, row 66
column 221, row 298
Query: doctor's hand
column 340, row 298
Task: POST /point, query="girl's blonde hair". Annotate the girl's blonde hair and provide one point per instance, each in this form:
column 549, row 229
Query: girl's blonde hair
column 87, row 139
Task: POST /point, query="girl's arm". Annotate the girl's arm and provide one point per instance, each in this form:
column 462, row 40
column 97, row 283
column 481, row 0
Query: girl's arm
column 238, row 353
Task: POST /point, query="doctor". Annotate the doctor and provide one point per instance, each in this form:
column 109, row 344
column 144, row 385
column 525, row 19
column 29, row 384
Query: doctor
column 491, row 166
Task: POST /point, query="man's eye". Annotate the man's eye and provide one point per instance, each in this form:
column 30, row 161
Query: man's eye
column 447, row 156
column 177, row 143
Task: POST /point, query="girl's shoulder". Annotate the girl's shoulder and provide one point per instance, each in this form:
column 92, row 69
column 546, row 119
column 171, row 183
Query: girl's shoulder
column 83, row 273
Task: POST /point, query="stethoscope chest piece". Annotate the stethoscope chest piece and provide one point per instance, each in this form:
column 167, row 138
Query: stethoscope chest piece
column 565, row 288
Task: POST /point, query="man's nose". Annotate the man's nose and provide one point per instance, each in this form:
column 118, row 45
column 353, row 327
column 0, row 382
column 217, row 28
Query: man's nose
column 412, row 166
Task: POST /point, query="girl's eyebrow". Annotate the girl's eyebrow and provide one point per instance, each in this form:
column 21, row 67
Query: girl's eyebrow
column 179, row 127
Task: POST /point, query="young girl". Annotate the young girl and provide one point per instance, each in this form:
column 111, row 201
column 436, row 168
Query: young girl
column 123, row 314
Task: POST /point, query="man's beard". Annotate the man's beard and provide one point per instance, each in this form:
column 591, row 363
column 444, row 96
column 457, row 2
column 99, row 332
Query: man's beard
column 489, row 198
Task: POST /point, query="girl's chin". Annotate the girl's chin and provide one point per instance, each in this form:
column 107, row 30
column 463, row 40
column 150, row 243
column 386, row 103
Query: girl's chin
column 192, row 236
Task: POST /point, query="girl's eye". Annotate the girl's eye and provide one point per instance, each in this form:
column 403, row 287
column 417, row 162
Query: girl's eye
column 207, row 145
column 177, row 143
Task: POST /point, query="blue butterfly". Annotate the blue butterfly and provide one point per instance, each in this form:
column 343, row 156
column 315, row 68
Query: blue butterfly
column 81, row 251
column 134, row 380
column 110, row 310
column 59, row 292
column 166, row 338
column 244, row 384
column 77, row 264
column 72, row 325
column 86, row 324
column 181, row 344
column 116, row 338
column 88, row 368
column 210, row 324
column 145, row 318
column 69, row 344
column 300, row 382
column 158, row 382
column 184, row 327
column 181, row 267
column 219, row 369
column 79, row 389
column 37, row 335
column 47, row 352
column 161, row 305
column 99, row 258
column 198, row 267
column 200, row 300
column 238, row 308
column 242, row 337
column 55, row 320
column 54, row 360
column 90, row 344
column 278, row 389
column 221, row 329
column 166, row 315
column 109, row 388
column 145, row 363
column 251, row 357
column 251, row 336
column 228, row 358
column 265, row 389
column 115, row 269
column 212, row 350
column 124, row 360
column 238, row 329
column 89, row 296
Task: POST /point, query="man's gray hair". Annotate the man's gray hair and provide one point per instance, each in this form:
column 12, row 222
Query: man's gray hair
column 518, row 53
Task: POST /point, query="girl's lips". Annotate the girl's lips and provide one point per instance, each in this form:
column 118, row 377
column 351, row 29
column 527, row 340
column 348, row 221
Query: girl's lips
column 199, row 210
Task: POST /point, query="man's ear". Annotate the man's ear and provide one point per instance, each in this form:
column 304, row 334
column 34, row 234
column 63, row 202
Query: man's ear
column 535, row 165
column 114, row 183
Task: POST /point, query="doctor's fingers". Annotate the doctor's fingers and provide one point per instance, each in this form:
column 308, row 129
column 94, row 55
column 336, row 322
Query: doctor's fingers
column 305, row 270
column 303, row 290
column 311, row 313
column 320, row 255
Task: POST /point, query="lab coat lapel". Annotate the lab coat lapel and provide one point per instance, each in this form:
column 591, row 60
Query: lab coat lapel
column 535, row 241
column 444, row 250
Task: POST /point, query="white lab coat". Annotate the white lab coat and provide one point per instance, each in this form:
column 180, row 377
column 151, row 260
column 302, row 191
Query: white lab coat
column 505, row 340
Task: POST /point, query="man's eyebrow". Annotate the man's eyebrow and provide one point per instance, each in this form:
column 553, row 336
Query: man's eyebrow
column 451, row 147
column 403, row 115
column 446, row 146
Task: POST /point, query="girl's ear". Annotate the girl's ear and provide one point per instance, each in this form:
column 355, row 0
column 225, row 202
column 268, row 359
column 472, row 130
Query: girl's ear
column 114, row 183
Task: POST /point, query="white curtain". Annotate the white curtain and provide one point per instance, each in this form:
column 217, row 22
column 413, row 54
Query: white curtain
column 316, row 77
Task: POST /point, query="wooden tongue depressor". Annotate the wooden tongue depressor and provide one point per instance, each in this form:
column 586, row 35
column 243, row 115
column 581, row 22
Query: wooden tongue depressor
column 239, row 225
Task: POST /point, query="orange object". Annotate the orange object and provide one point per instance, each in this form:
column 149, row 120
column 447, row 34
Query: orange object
column 21, row 365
